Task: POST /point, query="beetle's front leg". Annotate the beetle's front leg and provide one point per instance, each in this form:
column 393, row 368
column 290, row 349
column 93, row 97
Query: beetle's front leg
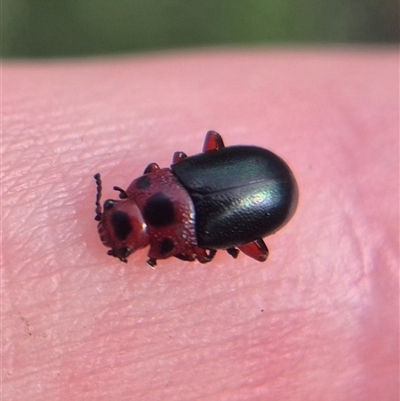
column 152, row 262
column 122, row 192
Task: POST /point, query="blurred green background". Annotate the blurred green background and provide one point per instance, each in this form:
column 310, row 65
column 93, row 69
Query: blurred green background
column 54, row 28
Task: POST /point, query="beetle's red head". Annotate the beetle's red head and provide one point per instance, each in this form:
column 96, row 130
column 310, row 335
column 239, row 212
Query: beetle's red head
column 121, row 225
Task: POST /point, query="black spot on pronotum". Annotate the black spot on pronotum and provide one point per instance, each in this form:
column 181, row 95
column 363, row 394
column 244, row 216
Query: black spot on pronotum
column 121, row 225
column 166, row 245
column 159, row 210
column 142, row 182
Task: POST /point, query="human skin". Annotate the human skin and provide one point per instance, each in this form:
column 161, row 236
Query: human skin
column 317, row 321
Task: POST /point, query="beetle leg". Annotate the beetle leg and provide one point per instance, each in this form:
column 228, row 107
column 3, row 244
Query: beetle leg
column 213, row 141
column 256, row 250
column 204, row 255
column 187, row 258
column 122, row 193
column 234, row 252
column 178, row 156
column 151, row 168
column 152, row 262
column 200, row 254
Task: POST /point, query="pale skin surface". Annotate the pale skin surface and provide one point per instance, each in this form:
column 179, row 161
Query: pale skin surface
column 317, row 321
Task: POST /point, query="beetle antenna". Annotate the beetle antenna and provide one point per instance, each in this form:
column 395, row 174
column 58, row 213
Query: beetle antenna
column 98, row 196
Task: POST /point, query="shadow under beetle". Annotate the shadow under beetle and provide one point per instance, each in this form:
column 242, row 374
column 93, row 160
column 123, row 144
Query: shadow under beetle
column 224, row 198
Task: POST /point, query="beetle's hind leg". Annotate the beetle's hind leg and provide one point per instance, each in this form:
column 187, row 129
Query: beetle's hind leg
column 213, row 141
column 256, row 250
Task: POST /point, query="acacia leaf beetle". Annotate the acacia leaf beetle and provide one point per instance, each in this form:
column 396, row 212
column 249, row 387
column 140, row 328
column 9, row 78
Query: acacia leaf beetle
column 224, row 198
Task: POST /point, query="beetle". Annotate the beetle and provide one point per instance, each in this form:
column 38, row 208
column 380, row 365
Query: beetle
column 224, row 198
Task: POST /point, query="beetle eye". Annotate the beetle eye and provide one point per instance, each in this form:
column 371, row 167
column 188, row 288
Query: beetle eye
column 108, row 204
